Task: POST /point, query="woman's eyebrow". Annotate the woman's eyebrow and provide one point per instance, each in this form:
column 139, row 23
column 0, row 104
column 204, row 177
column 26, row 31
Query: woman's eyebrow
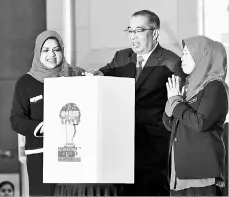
column 50, row 47
column 56, row 47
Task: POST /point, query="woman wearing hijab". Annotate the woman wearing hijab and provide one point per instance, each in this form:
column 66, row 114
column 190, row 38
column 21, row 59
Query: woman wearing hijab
column 195, row 116
column 27, row 110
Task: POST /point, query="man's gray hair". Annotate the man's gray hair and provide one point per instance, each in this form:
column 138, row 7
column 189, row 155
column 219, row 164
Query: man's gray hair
column 154, row 20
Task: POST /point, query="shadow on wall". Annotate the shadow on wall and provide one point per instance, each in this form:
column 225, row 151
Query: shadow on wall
column 173, row 43
column 97, row 58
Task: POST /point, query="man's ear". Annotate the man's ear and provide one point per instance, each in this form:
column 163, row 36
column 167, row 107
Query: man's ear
column 156, row 33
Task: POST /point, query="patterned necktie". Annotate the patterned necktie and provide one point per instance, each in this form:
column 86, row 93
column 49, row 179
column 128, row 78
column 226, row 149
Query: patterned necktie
column 138, row 67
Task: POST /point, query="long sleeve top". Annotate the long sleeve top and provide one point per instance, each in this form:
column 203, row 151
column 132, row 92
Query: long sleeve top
column 27, row 112
column 196, row 138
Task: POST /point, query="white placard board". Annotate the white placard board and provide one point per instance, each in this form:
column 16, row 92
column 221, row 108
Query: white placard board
column 89, row 130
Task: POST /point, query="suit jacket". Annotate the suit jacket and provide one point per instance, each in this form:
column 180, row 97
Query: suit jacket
column 197, row 129
column 151, row 137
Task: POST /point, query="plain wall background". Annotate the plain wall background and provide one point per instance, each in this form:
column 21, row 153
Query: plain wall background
column 100, row 25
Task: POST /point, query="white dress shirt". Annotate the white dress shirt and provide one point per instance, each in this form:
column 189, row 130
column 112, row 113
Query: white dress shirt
column 146, row 56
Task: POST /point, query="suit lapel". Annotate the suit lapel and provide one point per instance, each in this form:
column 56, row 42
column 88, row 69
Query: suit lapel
column 130, row 68
column 150, row 65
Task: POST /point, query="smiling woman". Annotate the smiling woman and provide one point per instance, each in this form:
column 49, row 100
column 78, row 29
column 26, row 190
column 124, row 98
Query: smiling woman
column 51, row 53
column 27, row 110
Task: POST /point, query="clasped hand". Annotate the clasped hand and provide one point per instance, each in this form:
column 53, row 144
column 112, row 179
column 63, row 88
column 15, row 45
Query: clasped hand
column 173, row 87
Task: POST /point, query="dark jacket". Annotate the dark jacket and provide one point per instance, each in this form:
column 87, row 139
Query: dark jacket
column 197, row 129
column 151, row 137
column 27, row 112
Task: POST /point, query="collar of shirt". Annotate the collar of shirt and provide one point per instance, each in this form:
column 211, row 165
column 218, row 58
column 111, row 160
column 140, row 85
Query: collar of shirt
column 146, row 56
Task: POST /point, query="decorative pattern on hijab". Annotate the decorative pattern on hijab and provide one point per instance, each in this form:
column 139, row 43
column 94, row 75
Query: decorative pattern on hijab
column 39, row 71
column 210, row 64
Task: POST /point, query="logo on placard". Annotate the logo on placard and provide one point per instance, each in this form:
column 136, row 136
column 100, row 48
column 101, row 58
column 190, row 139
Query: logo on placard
column 70, row 118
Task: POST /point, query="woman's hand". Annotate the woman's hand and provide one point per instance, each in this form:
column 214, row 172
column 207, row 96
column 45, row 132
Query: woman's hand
column 173, row 87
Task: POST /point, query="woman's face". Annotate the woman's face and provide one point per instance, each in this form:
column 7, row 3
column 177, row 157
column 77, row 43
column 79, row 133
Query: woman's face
column 6, row 190
column 188, row 63
column 51, row 53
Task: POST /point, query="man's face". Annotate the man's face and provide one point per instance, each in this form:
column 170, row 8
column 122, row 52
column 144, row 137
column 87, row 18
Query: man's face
column 141, row 42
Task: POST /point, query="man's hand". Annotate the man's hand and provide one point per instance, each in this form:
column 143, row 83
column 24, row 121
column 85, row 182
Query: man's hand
column 93, row 72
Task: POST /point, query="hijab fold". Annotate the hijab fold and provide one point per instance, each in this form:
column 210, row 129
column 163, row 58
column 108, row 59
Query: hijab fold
column 210, row 64
column 39, row 71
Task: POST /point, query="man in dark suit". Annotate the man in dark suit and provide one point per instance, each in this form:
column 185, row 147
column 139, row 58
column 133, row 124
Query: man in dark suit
column 151, row 137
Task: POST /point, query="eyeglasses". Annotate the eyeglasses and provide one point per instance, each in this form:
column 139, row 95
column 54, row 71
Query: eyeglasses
column 136, row 31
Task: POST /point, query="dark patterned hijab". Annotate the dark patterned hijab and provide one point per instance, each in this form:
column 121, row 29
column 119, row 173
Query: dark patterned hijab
column 39, row 71
column 210, row 64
